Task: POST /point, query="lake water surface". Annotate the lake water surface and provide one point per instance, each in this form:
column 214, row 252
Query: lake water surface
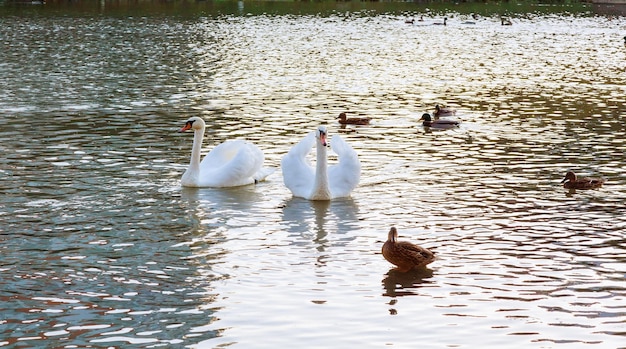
column 102, row 248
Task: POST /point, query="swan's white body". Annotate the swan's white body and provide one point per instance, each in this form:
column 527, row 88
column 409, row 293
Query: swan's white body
column 230, row 164
column 321, row 182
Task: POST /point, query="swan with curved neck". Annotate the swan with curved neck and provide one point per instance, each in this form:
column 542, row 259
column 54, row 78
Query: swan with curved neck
column 232, row 163
column 322, row 182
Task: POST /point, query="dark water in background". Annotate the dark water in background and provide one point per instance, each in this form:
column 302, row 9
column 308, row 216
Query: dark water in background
column 102, row 248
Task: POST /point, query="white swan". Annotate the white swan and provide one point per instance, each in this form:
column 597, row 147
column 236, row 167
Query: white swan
column 322, row 182
column 230, row 164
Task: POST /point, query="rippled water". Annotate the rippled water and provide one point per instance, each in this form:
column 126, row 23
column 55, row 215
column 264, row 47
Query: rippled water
column 102, row 248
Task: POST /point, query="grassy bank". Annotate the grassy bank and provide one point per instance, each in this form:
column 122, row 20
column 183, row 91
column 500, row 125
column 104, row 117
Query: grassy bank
column 229, row 7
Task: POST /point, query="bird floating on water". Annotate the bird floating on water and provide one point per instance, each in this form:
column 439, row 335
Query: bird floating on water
column 230, row 164
column 474, row 16
column 438, row 123
column 322, row 182
column 405, row 255
column 505, row 21
column 571, row 181
column 445, row 20
column 443, row 111
column 345, row 120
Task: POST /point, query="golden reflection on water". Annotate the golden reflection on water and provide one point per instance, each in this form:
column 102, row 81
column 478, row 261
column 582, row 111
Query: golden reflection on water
column 486, row 194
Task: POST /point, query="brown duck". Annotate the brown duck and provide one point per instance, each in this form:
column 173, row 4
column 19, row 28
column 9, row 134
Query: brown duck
column 405, row 255
column 345, row 120
column 443, row 111
column 572, row 182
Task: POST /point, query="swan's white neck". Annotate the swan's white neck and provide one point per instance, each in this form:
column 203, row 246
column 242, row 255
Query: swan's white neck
column 198, row 137
column 192, row 174
column 321, row 189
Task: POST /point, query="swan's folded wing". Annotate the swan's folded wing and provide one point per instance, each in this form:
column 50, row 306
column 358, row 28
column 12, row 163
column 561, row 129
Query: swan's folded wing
column 345, row 175
column 231, row 163
column 257, row 157
column 298, row 174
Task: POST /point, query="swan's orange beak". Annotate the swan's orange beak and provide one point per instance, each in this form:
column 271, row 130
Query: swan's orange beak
column 323, row 138
column 186, row 127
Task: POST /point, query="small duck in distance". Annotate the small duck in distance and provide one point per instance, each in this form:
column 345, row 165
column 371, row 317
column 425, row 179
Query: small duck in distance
column 409, row 21
column 474, row 16
column 445, row 20
column 443, row 111
column 438, row 123
column 405, row 255
column 571, row 181
column 505, row 21
column 345, row 120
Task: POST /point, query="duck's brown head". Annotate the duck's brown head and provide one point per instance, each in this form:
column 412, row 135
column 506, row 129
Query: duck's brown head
column 569, row 176
column 393, row 234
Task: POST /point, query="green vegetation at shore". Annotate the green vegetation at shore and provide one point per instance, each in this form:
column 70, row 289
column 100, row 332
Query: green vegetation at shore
column 245, row 8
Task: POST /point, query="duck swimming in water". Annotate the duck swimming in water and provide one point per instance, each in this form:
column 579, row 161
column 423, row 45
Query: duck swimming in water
column 345, row 120
column 443, row 111
column 439, row 123
column 405, row 255
column 571, row 181
column 445, row 21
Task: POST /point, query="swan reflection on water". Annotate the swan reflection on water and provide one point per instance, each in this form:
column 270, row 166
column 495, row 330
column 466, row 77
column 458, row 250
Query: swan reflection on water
column 314, row 219
column 221, row 204
column 242, row 197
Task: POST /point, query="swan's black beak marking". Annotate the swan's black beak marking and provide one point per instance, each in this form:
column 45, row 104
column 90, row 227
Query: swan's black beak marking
column 187, row 126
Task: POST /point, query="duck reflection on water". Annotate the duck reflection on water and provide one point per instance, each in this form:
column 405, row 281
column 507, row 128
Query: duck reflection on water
column 399, row 284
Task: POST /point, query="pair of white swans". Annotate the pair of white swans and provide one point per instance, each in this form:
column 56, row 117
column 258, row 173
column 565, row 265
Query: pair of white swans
column 237, row 162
